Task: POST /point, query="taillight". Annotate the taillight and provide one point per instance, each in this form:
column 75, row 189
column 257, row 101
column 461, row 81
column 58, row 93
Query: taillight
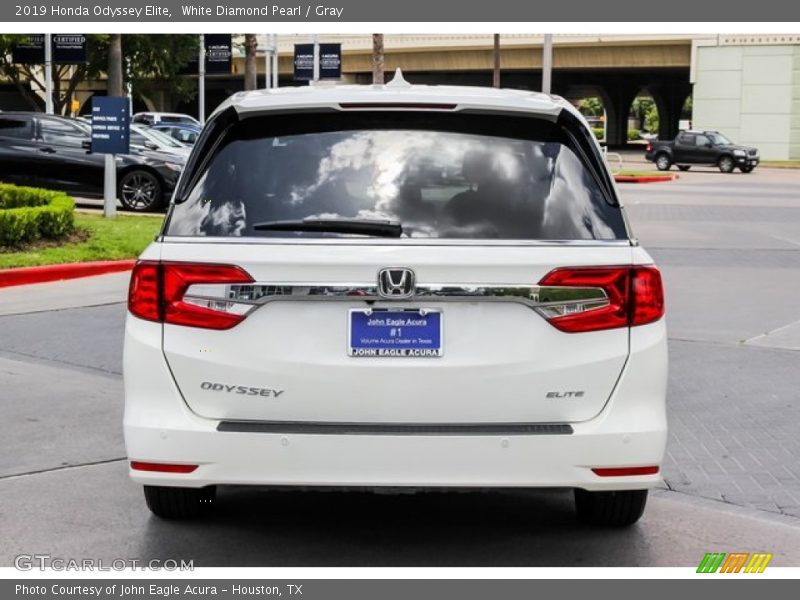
column 144, row 293
column 647, row 295
column 624, row 297
column 649, row 148
column 211, row 314
column 158, row 292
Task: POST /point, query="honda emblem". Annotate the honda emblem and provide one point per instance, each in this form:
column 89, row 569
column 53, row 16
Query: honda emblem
column 396, row 282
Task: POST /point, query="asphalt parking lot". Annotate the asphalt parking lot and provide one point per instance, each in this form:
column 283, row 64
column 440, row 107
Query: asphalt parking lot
column 729, row 249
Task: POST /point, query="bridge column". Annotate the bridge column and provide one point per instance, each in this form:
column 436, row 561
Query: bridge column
column 669, row 102
column 617, row 102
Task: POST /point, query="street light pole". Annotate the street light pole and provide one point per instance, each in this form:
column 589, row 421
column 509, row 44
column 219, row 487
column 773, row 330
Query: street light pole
column 110, row 186
column 201, row 80
column 267, row 60
column 496, row 71
column 48, row 73
column 129, row 84
column 274, row 45
column 316, row 57
column 547, row 63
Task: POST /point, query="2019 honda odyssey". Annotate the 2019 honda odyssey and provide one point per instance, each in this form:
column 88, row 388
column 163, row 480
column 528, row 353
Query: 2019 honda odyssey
column 396, row 286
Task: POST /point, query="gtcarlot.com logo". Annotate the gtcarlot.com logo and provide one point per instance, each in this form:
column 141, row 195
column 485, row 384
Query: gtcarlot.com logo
column 734, row 562
column 28, row 562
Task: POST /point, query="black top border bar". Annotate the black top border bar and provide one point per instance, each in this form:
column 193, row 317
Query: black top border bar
column 408, row 11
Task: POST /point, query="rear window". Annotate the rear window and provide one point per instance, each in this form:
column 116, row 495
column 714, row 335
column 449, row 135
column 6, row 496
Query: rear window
column 438, row 175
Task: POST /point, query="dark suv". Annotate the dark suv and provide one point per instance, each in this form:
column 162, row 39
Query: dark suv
column 702, row 148
column 52, row 152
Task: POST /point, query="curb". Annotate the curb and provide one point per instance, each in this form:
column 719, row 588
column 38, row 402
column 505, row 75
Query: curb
column 644, row 178
column 45, row 273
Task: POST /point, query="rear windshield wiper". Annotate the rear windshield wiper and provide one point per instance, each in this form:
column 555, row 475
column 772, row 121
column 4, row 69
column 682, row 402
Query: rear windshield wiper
column 357, row 226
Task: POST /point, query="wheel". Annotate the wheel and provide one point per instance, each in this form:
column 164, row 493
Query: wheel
column 746, row 168
column 663, row 163
column 610, row 509
column 179, row 503
column 726, row 164
column 140, row 191
column 684, row 167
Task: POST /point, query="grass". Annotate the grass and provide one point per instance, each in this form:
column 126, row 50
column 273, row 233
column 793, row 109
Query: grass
column 634, row 173
column 96, row 238
column 780, row 164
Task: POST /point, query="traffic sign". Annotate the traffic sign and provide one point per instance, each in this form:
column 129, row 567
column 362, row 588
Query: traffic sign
column 110, row 125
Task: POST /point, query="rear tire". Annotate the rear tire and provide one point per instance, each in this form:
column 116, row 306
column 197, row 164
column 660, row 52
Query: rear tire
column 610, row 509
column 663, row 162
column 684, row 167
column 179, row 503
column 726, row 164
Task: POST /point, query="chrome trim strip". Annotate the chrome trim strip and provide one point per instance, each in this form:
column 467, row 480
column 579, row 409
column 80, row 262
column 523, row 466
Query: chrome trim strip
column 535, row 297
column 328, row 428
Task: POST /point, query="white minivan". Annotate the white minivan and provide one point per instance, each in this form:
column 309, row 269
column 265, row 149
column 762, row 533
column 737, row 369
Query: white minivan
column 396, row 287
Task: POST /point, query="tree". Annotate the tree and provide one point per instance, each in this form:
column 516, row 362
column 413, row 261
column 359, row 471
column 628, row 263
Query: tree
column 651, row 119
column 378, row 58
column 154, row 65
column 114, row 70
column 28, row 78
column 592, row 106
column 496, row 70
column 151, row 63
column 250, row 47
column 641, row 107
column 687, row 108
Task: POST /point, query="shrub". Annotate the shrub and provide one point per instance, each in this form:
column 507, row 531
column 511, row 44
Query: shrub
column 27, row 214
column 633, row 134
column 598, row 132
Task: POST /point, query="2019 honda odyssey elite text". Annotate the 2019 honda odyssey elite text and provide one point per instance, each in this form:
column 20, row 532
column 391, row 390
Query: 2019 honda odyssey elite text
column 390, row 287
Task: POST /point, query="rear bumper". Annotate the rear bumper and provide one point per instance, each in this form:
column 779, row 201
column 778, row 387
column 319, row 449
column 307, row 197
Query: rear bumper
column 395, row 461
column 630, row 431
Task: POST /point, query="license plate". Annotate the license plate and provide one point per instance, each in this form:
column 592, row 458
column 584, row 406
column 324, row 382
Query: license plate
column 398, row 333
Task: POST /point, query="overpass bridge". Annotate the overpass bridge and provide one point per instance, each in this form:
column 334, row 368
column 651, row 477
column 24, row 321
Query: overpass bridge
column 614, row 67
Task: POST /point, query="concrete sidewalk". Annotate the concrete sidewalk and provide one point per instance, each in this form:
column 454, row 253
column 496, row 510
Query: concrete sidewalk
column 57, row 295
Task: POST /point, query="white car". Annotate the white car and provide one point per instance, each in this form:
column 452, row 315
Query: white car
column 396, row 287
column 154, row 118
column 153, row 139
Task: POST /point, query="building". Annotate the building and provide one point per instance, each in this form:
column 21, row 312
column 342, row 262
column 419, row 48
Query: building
column 748, row 86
